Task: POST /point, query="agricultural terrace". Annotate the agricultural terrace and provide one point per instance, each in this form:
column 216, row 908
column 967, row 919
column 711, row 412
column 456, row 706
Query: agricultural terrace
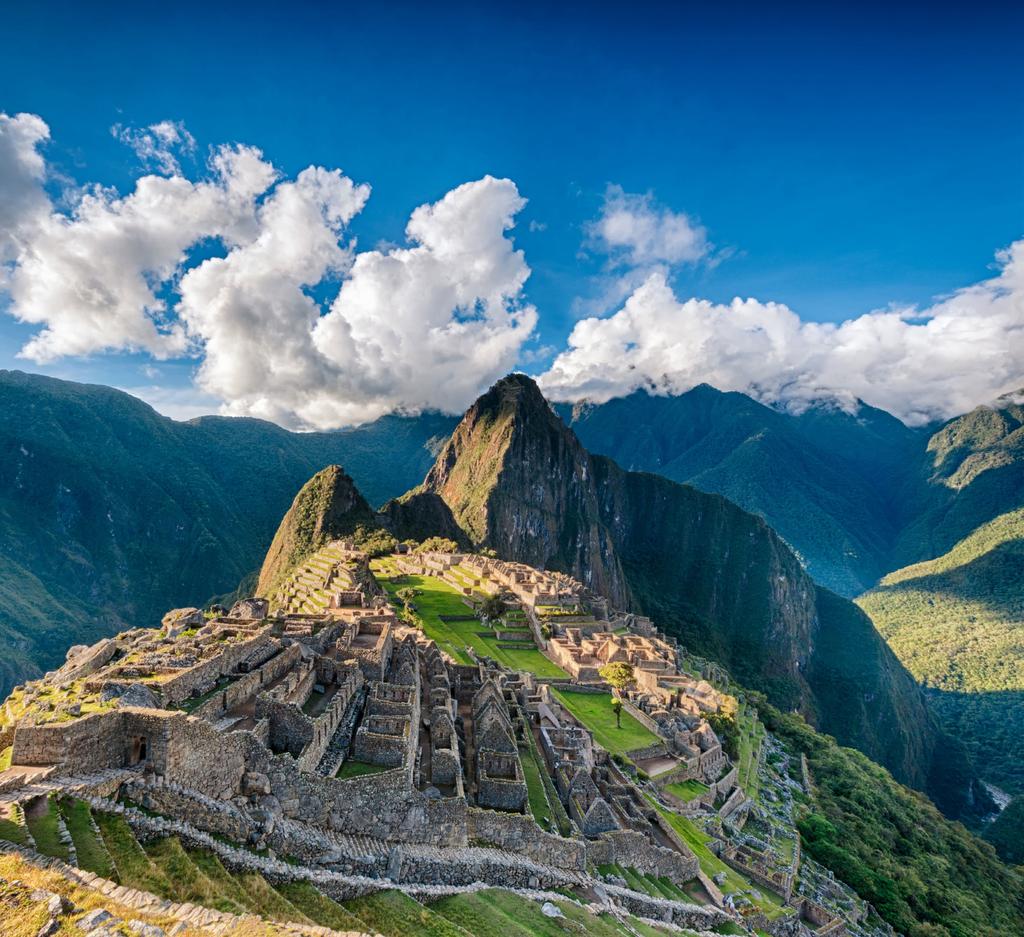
column 435, row 598
column 694, row 837
column 594, row 711
column 752, row 735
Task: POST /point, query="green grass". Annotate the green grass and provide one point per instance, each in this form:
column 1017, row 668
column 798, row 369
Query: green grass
column 226, row 884
column 396, row 915
column 5, row 758
column 595, row 712
column 538, row 799
column 687, row 790
column 92, row 854
column 42, row 824
column 751, row 738
column 711, row 865
column 437, row 598
column 496, row 913
column 320, row 909
column 134, row 867
column 13, row 831
column 357, row 769
column 267, row 902
column 187, row 881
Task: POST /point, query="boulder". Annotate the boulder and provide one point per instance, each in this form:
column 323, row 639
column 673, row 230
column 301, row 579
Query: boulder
column 250, row 608
column 139, row 696
column 178, row 620
column 551, row 910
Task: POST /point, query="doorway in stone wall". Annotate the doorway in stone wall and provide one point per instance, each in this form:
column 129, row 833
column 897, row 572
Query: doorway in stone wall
column 140, row 749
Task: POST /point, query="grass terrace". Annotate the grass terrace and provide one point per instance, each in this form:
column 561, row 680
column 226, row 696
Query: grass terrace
column 435, row 599
column 687, row 790
column 694, row 837
column 752, row 735
column 594, row 711
column 495, row 913
column 357, row 769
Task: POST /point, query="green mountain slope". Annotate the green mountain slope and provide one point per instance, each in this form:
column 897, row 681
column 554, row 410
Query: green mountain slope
column 972, row 472
column 957, row 622
column 927, row 876
column 110, row 513
column 516, row 479
column 328, row 507
column 825, row 480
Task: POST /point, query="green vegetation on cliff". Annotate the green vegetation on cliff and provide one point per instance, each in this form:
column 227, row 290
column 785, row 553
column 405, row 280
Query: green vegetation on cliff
column 957, row 622
column 927, row 876
column 328, row 507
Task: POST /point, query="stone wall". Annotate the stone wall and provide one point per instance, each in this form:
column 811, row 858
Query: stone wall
column 92, row 743
column 632, row 849
column 521, row 834
column 199, row 679
column 191, row 752
column 381, row 805
column 248, row 685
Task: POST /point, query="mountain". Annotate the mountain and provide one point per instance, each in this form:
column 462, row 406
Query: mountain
column 111, row 513
column 328, row 507
column 972, row 471
column 516, row 479
column 829, row 482
column 957, row 622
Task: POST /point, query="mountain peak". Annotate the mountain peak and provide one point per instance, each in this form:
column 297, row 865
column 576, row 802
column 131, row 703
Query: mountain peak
column 327, row 507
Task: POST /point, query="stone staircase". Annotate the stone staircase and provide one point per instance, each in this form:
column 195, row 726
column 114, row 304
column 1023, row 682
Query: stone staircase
column 107, row 780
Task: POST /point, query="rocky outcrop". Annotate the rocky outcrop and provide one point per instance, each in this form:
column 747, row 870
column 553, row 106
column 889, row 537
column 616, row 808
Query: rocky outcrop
column 328, row 507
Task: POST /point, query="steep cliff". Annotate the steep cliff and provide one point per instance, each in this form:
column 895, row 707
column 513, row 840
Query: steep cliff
column 328, row 507
column 517, row 480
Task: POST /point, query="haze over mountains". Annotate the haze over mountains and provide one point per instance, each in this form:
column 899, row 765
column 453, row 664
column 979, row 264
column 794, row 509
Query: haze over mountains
column 112, row 513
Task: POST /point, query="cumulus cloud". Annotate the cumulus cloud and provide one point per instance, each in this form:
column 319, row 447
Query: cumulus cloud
column 22, row 173
column 426, row 324
column 159, row 144
column 636, row 231
column 94, row 277
column 919, row 364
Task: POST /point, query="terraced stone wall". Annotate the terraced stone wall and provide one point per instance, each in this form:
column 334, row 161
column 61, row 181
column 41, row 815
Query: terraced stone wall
column 248, row 685
column 201, row 678
column 522, row 835
column 632, row 849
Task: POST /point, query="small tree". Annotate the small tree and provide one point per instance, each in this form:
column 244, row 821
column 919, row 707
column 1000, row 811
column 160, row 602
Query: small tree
column 493, row 607
column 405, row 596
column 619, row 675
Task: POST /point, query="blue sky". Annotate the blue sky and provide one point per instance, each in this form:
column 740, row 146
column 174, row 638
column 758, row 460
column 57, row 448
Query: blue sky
column 840, row 160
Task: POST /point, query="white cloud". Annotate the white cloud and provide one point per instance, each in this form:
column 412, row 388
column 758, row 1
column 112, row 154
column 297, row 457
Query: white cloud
column 430, row 325
column 94, row 278
column 22, row 174
column 289, row 322
column 179, row 403
column 636, row 231
column 157, row 146
column 918, row 364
